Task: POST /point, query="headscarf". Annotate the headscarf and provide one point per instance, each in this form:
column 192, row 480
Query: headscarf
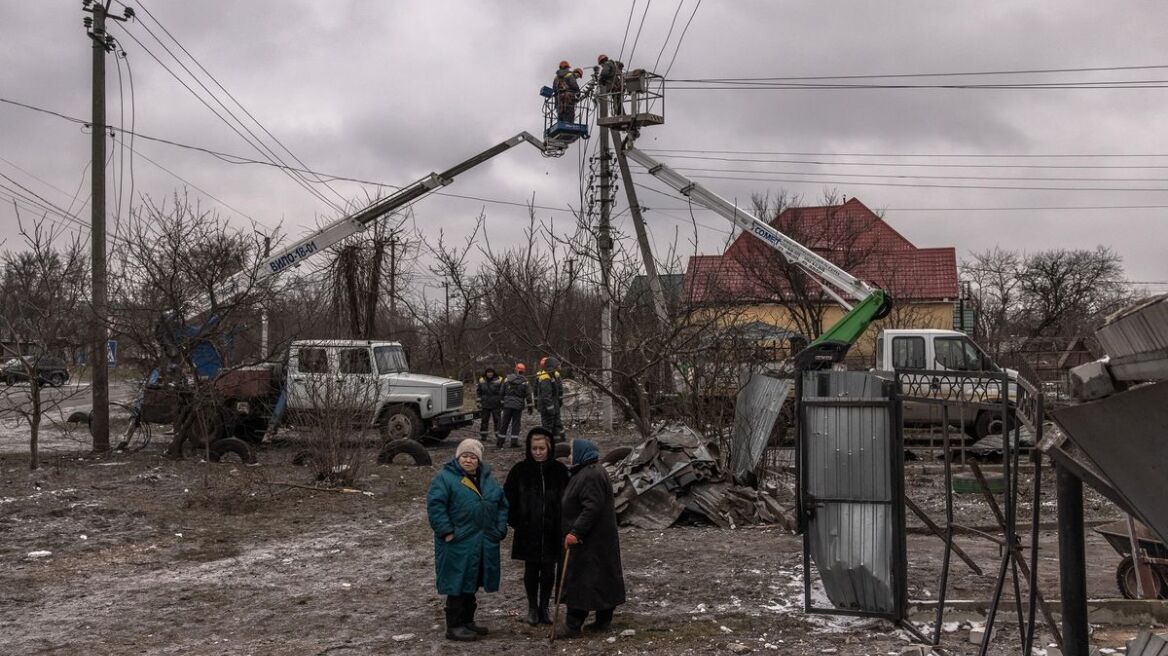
column 584, row 452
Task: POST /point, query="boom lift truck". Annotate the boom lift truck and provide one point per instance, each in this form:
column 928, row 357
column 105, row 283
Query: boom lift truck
column 251, row 401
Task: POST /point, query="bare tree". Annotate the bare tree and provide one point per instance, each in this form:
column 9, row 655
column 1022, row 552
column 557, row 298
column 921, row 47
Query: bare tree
column 42, row 296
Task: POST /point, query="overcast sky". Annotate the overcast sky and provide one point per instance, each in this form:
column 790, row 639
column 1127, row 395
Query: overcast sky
column 389, row 91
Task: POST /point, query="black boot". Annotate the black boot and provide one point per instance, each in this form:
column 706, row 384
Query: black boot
column 573, row 623
column 514, row 441
column 533, row 617
column 500, row 440
column 454, row 628
column 468, row 619
column 544, row 618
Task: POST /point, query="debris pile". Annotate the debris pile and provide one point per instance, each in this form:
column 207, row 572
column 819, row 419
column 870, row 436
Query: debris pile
column 675, row 472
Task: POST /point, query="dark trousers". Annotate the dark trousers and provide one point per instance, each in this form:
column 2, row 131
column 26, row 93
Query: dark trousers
column 551, row 421
column 488, row 415
column 576, row 617
column 460, row 609
column 539, row 579
column 511, row 418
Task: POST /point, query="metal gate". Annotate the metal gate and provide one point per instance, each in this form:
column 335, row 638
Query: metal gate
column 850, row 490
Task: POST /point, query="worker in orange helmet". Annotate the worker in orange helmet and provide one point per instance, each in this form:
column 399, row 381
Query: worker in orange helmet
column 516, row 396
column 567, row 89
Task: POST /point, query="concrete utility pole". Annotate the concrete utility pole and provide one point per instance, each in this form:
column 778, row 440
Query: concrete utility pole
column 604, row 246
column 99, row 425
column 655, row 289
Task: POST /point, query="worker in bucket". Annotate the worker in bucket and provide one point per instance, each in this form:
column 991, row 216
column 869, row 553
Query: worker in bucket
column 549, row 394
column 610, row 82
column 534, row 489
column 490, row 393
column 468, row 513
column 567, row 88
column 516, row 397
column 593, row 579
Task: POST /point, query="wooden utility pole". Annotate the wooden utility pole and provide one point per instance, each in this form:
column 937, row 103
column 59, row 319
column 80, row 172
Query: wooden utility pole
column 604, row 246
column 99, row 425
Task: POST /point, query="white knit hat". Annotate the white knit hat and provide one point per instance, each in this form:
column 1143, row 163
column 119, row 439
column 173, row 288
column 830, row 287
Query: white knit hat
column 469, row 445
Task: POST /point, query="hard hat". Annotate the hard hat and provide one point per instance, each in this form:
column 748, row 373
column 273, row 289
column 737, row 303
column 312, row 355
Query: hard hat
column 579, row 72
column 543, row 362
column 564, row 63
column 520, row 368
column 601, row 59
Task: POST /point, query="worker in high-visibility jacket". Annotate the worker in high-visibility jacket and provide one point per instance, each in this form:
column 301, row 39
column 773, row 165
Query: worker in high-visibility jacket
column 549, row 397
column 567, row 88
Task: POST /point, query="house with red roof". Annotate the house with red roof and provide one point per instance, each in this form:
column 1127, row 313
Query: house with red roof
column 761, row 286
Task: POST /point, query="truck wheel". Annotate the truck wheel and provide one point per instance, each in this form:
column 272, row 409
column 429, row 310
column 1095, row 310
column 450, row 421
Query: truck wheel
column 228, row 446
column 401, row 422
column 57, row 380
column 411, row 448
column 1125, row 578
column 440, row 433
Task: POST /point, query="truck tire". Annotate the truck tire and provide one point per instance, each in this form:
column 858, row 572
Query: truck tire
column 411, row 448
column 616, row 455
column 232, row 445
column 989, row 422
column 400, row 422
column 57, row 379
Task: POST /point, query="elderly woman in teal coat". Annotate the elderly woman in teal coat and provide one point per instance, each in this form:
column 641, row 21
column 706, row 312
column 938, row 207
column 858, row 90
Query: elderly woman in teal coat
column 468, row 512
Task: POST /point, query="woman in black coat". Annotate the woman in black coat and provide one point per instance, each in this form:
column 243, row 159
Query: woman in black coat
column 594, row 580
column 534, row 488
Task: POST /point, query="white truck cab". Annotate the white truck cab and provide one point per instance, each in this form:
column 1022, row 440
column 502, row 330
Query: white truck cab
column 373, row 379
column 942, row 350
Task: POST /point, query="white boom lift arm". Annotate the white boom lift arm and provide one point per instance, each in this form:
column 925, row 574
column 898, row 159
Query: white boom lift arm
column 306, row 247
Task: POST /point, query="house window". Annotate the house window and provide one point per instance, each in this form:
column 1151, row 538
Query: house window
column 355, row 361
column 313, row 360
column 908, row 352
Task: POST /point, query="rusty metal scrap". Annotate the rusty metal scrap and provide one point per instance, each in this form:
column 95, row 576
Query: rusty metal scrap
column 675, row 472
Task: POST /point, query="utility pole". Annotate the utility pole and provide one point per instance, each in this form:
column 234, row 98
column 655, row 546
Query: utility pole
column 102, row 44
column 392, row 282
column 604, row 246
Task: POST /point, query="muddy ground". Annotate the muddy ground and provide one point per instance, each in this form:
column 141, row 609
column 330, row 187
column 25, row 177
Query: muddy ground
column 155, row 556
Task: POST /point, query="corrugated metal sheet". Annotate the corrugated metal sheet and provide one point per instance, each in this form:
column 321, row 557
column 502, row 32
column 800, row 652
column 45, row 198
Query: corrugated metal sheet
column 849, row 479
column 755, row 411
column 1139, row 329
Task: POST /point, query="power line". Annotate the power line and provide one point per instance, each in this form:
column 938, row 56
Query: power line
column 665, row 44
column 682, row 37
column 628, row 24
column 927, row 186
column 922, row 176
column 637, row 39
column 936, row 155
column 231, row 96
column 1031, row 71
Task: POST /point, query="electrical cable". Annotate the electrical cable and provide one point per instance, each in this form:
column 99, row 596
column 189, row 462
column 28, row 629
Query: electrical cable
column 926, row 186
column 664, row 45
column 682, row 38
column 628, row 24
column 637, row 39
column 822, row 154
column 232, row 97
column 1032, row 71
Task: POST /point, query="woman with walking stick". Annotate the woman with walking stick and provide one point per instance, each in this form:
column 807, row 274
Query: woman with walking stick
column 534, row 488
column 468, row 513
column 593, row 580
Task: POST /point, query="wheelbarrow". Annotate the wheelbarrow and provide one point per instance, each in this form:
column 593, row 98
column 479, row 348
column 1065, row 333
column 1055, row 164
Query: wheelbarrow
column 1156, row 553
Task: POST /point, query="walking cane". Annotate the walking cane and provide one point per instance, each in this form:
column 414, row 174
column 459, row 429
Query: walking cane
column 560, row 593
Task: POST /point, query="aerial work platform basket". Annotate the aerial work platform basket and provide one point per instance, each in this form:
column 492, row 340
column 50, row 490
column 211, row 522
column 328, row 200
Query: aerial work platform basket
column 565, row 120
column 638, row 102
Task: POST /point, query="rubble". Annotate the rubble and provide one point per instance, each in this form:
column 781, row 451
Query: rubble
column 675, row 472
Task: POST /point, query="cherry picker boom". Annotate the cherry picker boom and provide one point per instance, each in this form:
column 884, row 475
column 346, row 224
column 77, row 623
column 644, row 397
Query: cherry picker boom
column 871, row 304
column 307, row 247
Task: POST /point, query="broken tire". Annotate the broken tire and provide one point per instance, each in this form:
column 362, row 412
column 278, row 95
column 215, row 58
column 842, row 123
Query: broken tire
column 411, row 448
column 616, row 455
column 232, row 446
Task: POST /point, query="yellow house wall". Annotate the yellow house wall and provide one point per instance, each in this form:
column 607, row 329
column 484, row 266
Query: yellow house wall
column 910, row 315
